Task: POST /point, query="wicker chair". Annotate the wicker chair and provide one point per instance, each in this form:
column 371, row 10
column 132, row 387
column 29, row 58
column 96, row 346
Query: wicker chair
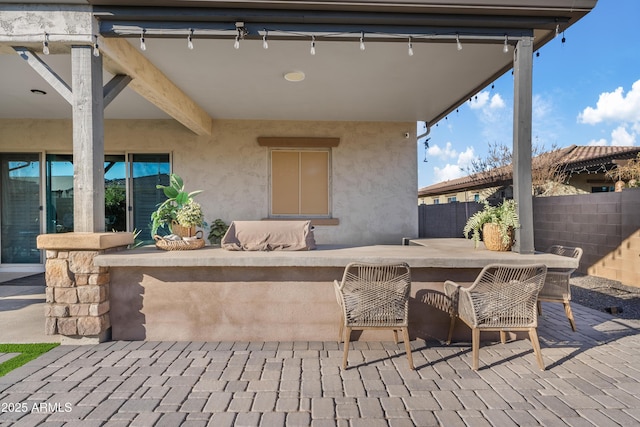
column 556, row 286
column 502, row 298
column 374, row 296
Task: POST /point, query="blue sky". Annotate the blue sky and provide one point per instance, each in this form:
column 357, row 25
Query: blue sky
column 585, row 92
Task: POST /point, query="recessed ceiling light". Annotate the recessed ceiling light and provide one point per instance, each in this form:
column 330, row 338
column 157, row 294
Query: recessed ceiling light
column 294, row 76
column 38, row 91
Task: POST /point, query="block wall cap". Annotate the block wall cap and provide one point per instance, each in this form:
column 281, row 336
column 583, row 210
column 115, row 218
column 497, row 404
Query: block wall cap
column 84, row 241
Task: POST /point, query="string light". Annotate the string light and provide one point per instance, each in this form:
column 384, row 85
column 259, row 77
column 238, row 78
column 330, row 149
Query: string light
column 143, row 45
column 557, row 29
column 312, row 51
column 190, row 40
column 96, row 49
column 240, row 32
column 45, row 44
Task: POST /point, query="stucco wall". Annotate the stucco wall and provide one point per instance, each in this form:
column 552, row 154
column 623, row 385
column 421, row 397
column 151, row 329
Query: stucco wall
column 374, row 174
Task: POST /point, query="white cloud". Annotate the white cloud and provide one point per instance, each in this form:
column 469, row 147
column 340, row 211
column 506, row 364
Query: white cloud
column 483, row 99
column 497, row 102
column 600, row 141
column 451, row 171
column 466, row 157
column 479, row 101
column 448, row 172
column 620, row 137
column 448, row 152
column 614, row 107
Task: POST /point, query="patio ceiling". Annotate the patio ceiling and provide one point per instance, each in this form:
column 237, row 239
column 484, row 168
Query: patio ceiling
column 342, row 82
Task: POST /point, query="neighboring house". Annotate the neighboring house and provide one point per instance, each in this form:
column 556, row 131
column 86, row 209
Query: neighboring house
column 584, row 169
column 296, row 109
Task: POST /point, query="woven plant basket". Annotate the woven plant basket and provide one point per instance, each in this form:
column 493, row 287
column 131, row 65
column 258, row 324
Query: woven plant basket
column 179, row 245
column 492, row 239
column 183, row 231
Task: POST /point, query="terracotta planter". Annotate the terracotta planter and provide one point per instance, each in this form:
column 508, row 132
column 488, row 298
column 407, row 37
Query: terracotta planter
column 183, row 231
column 492, row 239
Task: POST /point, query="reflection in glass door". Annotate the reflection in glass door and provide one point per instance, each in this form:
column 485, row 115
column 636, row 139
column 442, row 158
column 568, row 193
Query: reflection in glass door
column 147, row 171
column 115, row 193
column 60, row 193
column 20, row 207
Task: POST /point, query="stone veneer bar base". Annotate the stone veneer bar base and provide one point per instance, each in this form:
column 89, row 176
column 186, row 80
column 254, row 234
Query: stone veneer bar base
column 77, row 293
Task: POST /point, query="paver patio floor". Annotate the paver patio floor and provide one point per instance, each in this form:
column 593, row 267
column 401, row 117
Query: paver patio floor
column 592, row 378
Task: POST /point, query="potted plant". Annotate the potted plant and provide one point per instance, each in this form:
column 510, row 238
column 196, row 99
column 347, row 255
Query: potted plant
column 497, row 224
column 179, row 211
column 217, row 232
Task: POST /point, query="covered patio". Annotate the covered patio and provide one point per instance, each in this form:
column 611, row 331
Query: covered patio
column 216, row 91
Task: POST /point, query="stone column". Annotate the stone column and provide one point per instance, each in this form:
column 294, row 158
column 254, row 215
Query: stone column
column 77, row 294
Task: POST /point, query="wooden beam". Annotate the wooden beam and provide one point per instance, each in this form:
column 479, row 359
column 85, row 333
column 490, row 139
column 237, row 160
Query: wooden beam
column 522, row 117
column 46, row 72
column 299, row 142
column 148, row 81
column 88, row 141
column 114, row 87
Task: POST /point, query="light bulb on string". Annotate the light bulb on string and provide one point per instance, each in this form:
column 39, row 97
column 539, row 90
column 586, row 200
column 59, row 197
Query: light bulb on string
column 362, row 47
column 265, row 45
column 96, row 49
column 143, row 45
column 190, row 40
column 236, row 43
column 458, row 44
column 45, row 44
column 505, row 48
column 312, row 51
column 410, row 51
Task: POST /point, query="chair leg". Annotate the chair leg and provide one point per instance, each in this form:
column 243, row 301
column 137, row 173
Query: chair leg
column 407, row 347
column 533, row 335
column 452, row 323
column 340, row 335
column 569, row 313
column 539, row 304
column 347, row 337
column 395, row 336
column 475, row 347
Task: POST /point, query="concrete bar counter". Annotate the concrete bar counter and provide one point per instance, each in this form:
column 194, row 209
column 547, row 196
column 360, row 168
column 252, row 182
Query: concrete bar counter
column 211, row 294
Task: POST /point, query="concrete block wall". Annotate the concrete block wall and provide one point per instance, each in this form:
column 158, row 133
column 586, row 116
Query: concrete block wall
column 445, row 220
column 605, row 225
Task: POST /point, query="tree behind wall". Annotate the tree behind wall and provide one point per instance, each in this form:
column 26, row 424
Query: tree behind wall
column 547, row 172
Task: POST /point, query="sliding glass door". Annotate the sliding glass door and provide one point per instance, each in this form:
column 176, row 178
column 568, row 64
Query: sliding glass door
column 20, row 206
column 130, row 198
column 147, row 171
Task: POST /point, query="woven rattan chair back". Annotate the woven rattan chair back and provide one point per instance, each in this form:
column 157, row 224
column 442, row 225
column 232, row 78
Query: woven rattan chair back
column 502, row 298
column 374, row 296
column 556, row 286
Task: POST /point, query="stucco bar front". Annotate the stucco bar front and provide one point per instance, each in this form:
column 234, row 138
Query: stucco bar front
column 215, row 295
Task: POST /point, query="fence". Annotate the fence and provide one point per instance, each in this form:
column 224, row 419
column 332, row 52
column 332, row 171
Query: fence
column 605, row 225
